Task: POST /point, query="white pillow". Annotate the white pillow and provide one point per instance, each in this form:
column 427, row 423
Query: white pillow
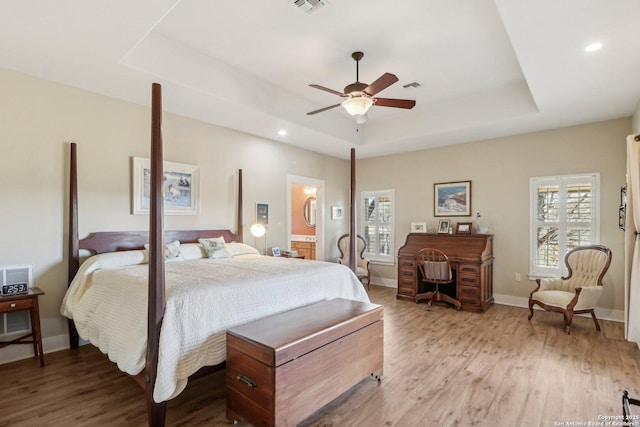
column 215, row 247
column 241, row 249
column 192, row 251
column 171, row 251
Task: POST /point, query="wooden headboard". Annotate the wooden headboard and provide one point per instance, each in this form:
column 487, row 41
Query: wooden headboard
column 114, row 241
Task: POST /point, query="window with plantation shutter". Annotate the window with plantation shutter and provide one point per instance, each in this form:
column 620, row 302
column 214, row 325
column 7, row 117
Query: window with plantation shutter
column 564, row 215
column 377, row 225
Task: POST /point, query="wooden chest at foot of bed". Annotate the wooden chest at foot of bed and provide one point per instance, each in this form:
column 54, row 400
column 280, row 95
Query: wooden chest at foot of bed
column 283, row 368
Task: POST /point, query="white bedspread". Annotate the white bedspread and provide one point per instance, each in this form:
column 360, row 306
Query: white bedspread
column 205, row 297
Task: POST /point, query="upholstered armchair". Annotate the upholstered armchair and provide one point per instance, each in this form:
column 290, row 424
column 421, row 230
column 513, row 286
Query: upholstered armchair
column 579, row 291
column 362, row 264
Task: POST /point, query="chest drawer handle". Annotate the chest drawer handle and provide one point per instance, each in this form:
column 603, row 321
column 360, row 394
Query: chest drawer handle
column 13, row 305
column 248, row 381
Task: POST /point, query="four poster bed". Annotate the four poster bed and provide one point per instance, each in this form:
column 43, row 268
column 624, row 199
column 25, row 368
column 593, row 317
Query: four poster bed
column 188, row 305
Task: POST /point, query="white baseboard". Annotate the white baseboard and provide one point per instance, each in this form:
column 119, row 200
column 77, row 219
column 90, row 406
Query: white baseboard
column 601, row 313
column 15, row 352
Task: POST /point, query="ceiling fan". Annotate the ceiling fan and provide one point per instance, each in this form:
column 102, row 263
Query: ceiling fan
column 359, row 97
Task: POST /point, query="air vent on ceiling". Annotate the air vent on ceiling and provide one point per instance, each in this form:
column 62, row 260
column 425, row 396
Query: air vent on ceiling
column 309, row 6
column 412, row 85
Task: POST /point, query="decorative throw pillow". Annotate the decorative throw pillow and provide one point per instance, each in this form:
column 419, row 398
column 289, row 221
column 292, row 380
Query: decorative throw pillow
column 171, row 251
column 215, row 247
column 237, row 249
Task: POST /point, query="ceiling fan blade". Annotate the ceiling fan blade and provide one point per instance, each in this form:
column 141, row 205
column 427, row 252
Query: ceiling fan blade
column 322, row 109
column 397, row 103
column 326, row 89
column 383, row 82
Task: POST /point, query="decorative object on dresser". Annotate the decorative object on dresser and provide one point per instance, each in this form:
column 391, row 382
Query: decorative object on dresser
column 443, row 226
column 362, row 263
column 275, row 251
column 579, row 291
column 283, row 368
column 452, row 198
column 25, row 301
column 463, row 227
column 435, row 269
column 418, row 227
column 471, row 258
column 181, row 188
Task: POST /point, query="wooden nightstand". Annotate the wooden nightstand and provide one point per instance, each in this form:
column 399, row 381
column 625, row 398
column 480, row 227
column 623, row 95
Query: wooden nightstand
column 27, row 301
column 292, row 256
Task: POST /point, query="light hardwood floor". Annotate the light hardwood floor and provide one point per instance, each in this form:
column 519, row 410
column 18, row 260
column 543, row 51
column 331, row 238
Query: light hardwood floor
column 441, row 368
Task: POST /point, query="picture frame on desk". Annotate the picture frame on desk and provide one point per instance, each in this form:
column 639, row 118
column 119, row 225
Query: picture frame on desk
column 464, row 227
column 443, row 226
column 418, row 227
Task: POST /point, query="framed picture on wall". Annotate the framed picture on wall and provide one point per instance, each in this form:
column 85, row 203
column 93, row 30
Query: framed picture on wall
column 452, row 198
column 262, row 213
column 337, row 212
column 181, row 189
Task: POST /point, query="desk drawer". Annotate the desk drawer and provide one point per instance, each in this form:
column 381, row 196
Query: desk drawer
column 16, row 305
column 469, row 295
column 406, row 274
column 469, row 269
column 407, row 263
column 469, row 280
column 406, row 290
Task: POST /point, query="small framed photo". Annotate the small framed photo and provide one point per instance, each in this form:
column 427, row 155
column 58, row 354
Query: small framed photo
column 463, row 227
column 443, row 226
column 337, row 212
column 418, row 227
column 275, row 251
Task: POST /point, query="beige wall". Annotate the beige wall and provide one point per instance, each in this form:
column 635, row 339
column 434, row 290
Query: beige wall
column 635, row 121
column 39, row 118
column 500, row 170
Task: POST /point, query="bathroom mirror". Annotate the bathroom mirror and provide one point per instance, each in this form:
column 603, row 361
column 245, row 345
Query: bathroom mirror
column 309, row 211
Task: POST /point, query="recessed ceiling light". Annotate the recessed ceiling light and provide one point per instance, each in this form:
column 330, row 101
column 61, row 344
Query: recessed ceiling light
column 593, row 47
column 282, row 132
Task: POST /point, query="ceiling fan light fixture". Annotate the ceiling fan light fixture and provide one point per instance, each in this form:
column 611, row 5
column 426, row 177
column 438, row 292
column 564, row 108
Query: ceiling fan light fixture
column 357, row 105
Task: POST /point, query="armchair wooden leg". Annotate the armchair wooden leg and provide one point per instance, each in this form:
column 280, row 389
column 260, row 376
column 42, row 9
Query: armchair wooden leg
column 568, row 318
column 593, row 315
column 530, row 308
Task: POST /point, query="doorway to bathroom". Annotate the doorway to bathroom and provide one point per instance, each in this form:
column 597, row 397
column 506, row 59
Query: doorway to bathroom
column 305, row 214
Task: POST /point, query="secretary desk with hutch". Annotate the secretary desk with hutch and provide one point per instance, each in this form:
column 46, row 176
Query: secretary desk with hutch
column 471, row 258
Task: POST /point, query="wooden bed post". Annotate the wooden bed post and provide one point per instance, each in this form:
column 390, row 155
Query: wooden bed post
column 73, row 251
column 155, row 411
column 353, row 240
column 240, row 226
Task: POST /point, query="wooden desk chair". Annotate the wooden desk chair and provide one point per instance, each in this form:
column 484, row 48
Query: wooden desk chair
column 436, row 269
